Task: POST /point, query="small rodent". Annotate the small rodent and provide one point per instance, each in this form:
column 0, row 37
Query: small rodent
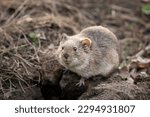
column 94, row 51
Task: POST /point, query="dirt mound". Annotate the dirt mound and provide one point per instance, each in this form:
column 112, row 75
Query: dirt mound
column 98, row 88
column 117, row 91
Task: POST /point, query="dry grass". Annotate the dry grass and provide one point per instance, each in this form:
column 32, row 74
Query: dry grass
column 25, row 35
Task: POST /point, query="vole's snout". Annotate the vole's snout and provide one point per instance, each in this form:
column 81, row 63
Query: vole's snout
column 66, row 56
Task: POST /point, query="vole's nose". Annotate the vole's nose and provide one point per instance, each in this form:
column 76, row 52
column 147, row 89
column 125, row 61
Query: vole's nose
column 66, row 56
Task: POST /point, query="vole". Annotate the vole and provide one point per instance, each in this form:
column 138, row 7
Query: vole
column 94, row 51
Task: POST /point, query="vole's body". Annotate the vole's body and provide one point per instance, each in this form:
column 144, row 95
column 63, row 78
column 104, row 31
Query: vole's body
column 94, row 51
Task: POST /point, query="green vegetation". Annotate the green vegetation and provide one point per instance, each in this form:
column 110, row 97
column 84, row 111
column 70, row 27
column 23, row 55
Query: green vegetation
column 34, row 38
column 146, row 9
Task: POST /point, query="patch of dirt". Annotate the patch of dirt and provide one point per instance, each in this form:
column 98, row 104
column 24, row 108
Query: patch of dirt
column 30, row 32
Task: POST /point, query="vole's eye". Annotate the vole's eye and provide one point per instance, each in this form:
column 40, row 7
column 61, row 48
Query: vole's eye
column 74, row 48
column 62, row 48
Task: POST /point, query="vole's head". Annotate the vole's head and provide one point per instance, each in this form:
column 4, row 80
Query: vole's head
column 73, row 51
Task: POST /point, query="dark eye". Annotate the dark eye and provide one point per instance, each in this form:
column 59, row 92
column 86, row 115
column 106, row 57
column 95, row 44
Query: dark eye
column 74, row 48
column 62, row 48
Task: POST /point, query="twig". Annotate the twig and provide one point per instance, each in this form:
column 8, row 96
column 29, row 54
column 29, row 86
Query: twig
column 21, row 86
column 25, row 68
column 17, row 63
column 10, row 86
column 18, row 76
column 17, row 11
column 24, row 60
column 119, row 8
column 28, row 87
column 140, row 53
column 1, row 86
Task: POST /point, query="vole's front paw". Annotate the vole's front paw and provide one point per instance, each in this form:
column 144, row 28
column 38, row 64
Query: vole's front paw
column 81, row 82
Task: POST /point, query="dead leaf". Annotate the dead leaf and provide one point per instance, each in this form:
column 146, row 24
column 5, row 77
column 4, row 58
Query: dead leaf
column 140, row 62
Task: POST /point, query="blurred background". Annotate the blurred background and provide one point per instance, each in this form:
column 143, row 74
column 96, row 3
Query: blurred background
column 27, row 27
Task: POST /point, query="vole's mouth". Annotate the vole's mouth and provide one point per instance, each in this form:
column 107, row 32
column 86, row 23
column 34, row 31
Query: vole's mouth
column 66, row 62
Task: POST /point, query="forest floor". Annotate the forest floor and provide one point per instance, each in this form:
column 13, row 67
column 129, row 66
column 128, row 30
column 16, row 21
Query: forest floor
column 28, row 28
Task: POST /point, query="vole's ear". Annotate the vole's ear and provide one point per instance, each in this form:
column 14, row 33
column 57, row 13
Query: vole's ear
column 86, row 42
column 64, row 38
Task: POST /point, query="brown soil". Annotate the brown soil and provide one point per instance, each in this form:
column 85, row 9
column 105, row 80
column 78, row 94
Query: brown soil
column 30, row 31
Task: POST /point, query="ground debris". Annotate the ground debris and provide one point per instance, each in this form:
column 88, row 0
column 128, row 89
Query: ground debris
column 30, row 32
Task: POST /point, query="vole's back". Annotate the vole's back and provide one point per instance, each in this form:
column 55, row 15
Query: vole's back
column 102, row 36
